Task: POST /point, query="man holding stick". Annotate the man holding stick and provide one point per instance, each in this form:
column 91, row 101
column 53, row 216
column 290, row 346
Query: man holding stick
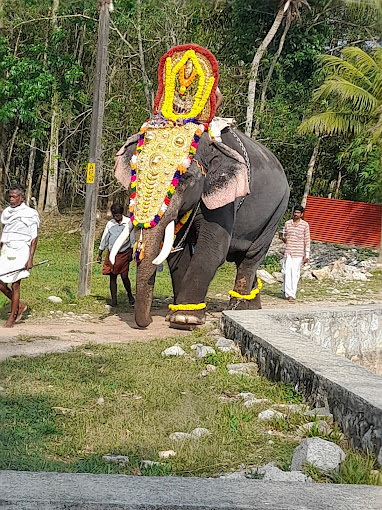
column 18, row 244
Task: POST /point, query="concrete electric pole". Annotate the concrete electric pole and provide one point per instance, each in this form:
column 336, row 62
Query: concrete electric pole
column 93, row 167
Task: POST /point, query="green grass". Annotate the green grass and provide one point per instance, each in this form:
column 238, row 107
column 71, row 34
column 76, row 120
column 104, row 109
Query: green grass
column 51, row 419
column 34, row 436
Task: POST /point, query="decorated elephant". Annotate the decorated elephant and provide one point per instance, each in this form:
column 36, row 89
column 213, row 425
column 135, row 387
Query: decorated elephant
column 201, row 187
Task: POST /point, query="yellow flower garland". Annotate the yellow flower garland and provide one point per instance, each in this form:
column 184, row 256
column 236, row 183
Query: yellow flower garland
column 247, row 297
column 175, row 308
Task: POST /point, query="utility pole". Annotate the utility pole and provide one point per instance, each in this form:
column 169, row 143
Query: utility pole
column 93, row 167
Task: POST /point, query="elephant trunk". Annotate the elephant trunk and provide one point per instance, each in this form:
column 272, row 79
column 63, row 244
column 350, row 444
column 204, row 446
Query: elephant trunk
column 146, row 270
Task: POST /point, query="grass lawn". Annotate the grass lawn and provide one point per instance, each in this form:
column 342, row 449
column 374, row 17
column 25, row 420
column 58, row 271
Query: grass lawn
column 52, row 420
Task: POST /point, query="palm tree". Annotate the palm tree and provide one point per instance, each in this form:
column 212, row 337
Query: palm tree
column 350, row 97
column 289, row 7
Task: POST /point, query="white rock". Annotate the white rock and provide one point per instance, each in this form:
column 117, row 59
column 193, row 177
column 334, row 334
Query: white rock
column 237, row 475
column 292, row 408
column 203, row 350
column 199, row 431
column 272, row 473
column 278, row 276
column 225, row 345
column 174, row 350
column 180, row 436
column 269, row 414
column 54, row 299
column 166, row 454
column 266, row 277
column 249, row 399
column 150, row 463
column 215, row 332
column 1, row 388
column 122, row 460
column 320, row 412
column 271, row 442
column 101, row 401
column 321, row 425
column 207, row 371
column 242, row 368
column 324, row 455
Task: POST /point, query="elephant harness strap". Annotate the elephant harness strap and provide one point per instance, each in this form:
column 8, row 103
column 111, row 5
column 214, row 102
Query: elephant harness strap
column 180, row 245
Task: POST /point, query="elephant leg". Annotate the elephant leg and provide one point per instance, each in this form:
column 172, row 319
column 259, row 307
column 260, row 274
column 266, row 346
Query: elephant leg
column 245, row 282
column 178, row 264
column 210, row 252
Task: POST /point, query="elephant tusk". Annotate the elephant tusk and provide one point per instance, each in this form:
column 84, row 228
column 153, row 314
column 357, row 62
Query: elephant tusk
column 120, row 240
column 167, row 244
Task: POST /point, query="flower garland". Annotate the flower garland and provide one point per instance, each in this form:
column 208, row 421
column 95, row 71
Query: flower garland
column 181, row 169
column 202, row 95
column 183, row 220
column 175, row 308
column 247, row 297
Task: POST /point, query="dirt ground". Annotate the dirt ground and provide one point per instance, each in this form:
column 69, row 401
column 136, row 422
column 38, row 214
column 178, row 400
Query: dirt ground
column 29, row 338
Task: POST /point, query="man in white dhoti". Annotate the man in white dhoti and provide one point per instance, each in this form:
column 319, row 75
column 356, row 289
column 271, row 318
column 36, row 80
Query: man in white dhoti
column 18, row 244
column 297, row 239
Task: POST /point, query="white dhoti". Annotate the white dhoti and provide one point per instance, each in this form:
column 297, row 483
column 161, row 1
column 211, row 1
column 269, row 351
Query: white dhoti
column 13, row 257
column 291, row 268
column 20, row 226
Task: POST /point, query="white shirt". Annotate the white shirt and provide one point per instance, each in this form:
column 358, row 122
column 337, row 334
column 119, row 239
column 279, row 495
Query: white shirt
column 111, row 233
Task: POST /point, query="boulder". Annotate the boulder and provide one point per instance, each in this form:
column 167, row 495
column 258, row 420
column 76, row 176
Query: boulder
column 166, row 454
column 203, row 350
column 225, row 345
column 321, row 425
column 242, row 369
column 55, row 299
column 174, row 350
column 272, row 473
column 122, row 460
column 324, row 455
column 199, row 432
column 269, row 414
column 266, row 277
column 278, row 276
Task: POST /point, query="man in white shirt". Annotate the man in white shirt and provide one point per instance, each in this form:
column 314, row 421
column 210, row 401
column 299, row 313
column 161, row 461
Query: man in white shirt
column 18, row 245
column 123, row 258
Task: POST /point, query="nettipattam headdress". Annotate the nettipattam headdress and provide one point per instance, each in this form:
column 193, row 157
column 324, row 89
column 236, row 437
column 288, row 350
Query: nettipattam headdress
column 184, row 105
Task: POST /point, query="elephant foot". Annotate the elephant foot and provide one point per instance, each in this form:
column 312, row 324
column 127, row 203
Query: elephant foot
column 187, row 318
column 243, row 304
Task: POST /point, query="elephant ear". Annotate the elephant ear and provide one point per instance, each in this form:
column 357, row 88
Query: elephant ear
column 227, row 176
column 122, row 170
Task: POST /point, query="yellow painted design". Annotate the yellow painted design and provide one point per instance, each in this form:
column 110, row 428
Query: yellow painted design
column 156, row 166
column 90, row 174
column 175, row 308
column 247, row 297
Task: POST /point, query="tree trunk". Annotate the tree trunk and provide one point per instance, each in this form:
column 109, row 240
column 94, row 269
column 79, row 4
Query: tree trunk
column 338, row 184
column 44, row 178
column 9, row 156
column 51, row 194
column 309, row 173
column 146, row 82
column 2, row 161
column 256, row 63
column 269, row 75
column 32, row 158
column 62, row 168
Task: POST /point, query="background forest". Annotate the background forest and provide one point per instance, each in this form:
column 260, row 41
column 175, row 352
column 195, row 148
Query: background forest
column 47, row 65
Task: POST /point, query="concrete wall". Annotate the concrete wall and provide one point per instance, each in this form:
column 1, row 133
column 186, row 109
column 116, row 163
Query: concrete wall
column 355, row 333
column 352, row 393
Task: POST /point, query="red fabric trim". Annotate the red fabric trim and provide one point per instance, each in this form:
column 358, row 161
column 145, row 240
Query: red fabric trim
column 196, row 48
